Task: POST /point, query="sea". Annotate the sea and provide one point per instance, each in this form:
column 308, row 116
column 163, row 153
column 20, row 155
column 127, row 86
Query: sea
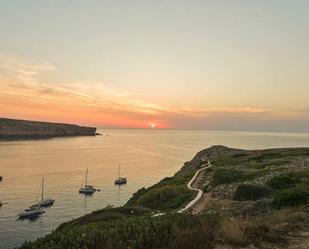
column 146, row 157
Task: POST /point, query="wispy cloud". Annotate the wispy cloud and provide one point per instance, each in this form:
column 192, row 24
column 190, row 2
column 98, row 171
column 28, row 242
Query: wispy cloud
column 25, row 94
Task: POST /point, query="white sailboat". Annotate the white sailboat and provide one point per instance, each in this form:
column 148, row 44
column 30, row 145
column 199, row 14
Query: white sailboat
column 35, row 210
column 87, row 189
column 120, row 180
column 45, row 202
column 31, row 213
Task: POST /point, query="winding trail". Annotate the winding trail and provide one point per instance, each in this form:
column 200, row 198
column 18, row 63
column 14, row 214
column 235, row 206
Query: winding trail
column 200, row 192
column 189, row 185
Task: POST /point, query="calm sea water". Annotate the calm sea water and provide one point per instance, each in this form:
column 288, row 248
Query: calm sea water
column 146, row 155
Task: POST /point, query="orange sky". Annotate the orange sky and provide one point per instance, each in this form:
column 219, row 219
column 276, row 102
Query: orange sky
column 225, row 65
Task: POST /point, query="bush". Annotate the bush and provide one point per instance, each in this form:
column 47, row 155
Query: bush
column 250, row 192
column 289, row 180
column 292, row 197
column 223, row 175
column 283, row 181
column 169, row 193
column 166, row 232
column 166, row 197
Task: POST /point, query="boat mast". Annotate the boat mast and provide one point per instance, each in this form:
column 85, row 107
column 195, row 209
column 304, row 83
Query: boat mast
column 42, row 195
column 86, row 176
column 119, row 170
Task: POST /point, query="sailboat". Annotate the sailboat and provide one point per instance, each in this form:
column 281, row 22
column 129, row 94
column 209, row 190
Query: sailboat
column 31, row 213
column 120, row 180
column 87, row 189
column 35, row 210
column 45, row 202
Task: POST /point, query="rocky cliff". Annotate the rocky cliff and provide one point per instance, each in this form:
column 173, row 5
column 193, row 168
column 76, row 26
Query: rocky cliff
column 23, row 129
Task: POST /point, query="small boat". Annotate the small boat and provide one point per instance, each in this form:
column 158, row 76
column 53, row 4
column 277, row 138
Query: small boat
column 1, row 178
column 35, row 210
column 87, row 189
column 44, row 202
column 120, row 180
column 31, row 213
column 1, row 203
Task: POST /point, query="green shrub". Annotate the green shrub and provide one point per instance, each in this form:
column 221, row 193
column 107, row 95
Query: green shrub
column 289, row 180
column 283, row 181
column 223, row 175
column 250, row 192
column 166, row 232
column 292, row 197
column 166, row 197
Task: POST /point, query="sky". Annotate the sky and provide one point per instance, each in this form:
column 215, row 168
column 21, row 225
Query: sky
column 219, row 65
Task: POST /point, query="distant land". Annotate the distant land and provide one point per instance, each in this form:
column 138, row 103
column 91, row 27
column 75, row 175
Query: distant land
column 25, row 129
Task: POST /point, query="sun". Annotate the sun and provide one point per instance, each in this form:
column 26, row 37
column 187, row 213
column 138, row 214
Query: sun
column 153, row 125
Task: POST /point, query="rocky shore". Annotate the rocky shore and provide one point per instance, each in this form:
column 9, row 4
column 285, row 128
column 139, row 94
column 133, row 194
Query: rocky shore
column 11, row 129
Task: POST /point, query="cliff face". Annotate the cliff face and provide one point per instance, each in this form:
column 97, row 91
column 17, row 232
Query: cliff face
column 23, row 129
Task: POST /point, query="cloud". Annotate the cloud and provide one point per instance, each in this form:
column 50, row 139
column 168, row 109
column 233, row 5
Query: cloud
column 25, row 94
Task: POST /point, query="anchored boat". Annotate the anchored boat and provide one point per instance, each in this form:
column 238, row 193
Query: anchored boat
column 35, row 210
column 120, row 180
column 45, row 202
column 87, row 189
column 31, row 213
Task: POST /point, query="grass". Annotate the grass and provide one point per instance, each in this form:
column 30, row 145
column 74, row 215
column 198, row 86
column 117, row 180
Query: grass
column 271, row 228
column 169, row 194
column 174, row 231
column 106, row 215
column 165, row 197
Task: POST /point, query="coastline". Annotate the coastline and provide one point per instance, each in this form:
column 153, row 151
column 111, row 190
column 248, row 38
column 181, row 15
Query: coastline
column 222, row 209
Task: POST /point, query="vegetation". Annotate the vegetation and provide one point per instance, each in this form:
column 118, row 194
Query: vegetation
column 171, row 231
column 106, row 215
column 174, row 231
column 253, row 172
column 169, row 194
column 292, row 189
column 250, row 192
column 226, row 175
column 292, row 197
column 289, row 180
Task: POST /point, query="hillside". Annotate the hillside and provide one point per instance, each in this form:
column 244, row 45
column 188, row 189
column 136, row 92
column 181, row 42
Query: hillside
column 252, row 199
column 23, row 129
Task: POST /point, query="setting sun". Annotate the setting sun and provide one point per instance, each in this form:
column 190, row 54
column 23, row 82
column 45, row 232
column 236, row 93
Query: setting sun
column 153, row 125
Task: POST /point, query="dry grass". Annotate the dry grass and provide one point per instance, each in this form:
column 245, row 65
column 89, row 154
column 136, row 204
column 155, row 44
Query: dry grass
column 272, row 228
column 201, row 238
column 233, row 231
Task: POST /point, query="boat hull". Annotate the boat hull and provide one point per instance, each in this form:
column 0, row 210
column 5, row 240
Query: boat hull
column 121, row 181
column 86, row 191
column 30, row 214
column 46, row 203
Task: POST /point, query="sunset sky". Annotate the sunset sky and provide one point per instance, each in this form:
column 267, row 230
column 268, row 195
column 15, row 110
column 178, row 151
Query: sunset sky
column 224, row 65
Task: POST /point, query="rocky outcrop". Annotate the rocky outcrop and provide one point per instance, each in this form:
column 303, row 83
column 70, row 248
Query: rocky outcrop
column 23, row 129
column 211, row 154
